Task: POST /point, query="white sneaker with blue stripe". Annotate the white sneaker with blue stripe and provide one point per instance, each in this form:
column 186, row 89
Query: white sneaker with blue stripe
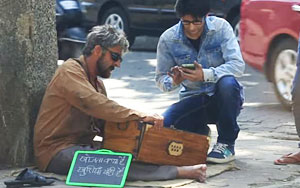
column 221, row 153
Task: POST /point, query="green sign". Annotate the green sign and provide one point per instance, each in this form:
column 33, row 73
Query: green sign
column 102, row 168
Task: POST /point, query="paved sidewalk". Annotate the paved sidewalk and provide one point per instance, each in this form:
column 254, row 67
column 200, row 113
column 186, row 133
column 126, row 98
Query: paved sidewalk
column 267, row 131
column 254, row 160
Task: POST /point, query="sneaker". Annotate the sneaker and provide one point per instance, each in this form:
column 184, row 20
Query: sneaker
column 221, row 153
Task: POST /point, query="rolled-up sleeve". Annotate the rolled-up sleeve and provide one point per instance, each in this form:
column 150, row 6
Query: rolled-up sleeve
column 165, row 62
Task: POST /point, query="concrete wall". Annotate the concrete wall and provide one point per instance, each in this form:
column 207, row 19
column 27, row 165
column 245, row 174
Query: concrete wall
column 28, row 54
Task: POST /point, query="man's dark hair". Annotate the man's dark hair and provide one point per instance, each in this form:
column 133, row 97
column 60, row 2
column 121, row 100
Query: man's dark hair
column 195, row 8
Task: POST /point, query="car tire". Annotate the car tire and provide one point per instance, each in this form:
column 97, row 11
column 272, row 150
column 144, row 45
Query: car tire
column 236, row 27
column 116, row 16
column 283, row 61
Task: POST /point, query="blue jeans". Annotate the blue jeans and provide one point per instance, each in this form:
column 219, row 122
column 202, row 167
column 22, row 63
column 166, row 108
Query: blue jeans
column 296, row 94
column 194, row 113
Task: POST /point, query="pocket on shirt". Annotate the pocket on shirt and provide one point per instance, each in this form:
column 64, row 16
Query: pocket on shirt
column 181, row 59
column 214, row 56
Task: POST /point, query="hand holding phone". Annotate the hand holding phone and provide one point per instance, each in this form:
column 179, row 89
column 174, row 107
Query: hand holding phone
column 175, row 74
column 192, row 72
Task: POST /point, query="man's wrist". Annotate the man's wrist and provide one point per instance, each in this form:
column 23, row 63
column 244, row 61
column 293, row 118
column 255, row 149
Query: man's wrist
column 208, row 75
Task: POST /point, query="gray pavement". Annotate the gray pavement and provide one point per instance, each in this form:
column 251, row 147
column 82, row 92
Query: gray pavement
column 267, row 130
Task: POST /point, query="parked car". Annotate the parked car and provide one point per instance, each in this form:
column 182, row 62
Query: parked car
column 148, row 17
column 70, row 34
column 269, row 39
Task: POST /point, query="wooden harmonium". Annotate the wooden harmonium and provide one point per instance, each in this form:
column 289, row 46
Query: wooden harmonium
column 163, row 146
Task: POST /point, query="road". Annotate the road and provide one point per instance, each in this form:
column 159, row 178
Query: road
column 133, row 85
column 267, row 129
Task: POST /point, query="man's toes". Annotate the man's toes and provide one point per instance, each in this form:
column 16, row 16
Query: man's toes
column 203, row 167
column 202, row 178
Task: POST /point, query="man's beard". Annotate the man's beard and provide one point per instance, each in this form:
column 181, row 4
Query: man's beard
column 102, row 71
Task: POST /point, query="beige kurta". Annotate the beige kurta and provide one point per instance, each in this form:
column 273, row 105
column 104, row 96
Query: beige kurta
column 65, row 115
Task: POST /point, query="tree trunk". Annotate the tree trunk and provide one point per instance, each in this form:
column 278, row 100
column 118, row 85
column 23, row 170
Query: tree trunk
column 28, row 55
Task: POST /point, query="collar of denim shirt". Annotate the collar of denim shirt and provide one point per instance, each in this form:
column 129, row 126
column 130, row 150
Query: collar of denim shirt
column 208, row 27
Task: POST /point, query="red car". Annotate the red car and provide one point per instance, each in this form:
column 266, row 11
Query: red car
column 269, row 32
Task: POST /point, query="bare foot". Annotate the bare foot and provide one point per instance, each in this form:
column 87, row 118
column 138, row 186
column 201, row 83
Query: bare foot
column 197, row 172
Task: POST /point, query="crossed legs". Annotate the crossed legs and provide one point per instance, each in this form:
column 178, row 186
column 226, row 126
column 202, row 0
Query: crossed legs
column 61, row 163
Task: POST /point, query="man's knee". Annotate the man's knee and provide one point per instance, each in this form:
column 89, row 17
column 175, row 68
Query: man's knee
column 296, row 102
column 296, row 96
column 228, row 87
column 296, row 89
column 61, row 162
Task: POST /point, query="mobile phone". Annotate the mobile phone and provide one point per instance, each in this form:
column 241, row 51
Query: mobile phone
column 188, row 66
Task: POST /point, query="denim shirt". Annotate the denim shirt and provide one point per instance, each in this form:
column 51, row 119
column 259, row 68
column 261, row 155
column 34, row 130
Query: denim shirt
column 219, row 54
